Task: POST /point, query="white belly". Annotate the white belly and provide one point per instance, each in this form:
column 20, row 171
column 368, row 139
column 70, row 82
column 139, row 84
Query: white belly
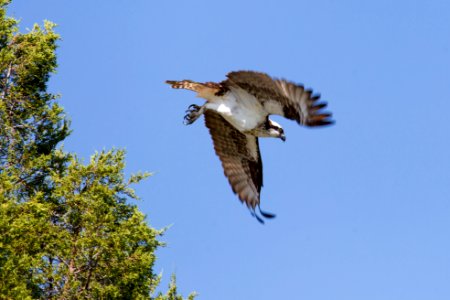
column 243, row 113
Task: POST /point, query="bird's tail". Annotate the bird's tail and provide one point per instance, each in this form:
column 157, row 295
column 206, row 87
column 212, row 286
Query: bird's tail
column 186, row 84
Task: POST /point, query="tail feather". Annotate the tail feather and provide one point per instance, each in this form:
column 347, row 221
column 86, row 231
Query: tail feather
column 186, row 84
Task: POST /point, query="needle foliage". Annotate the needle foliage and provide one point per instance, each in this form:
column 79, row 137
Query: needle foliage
column 68, row 230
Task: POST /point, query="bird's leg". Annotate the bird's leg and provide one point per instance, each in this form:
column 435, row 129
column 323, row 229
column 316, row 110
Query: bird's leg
column 193, row 113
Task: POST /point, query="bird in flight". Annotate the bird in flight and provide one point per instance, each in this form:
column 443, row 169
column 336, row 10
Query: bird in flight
column 237, row 113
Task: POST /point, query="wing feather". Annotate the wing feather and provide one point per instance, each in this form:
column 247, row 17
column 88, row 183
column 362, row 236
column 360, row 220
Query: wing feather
column 282, row 97
column 240, row 157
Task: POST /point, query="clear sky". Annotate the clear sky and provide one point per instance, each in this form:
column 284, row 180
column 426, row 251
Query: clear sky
column 363, row 207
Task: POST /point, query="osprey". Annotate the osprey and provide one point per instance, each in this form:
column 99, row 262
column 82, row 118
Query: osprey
column 237, row 113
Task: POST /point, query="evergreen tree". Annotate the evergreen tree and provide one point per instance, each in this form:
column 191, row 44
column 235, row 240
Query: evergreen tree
column 67, row 230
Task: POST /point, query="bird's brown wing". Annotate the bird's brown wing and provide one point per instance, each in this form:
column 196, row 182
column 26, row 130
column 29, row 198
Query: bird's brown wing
column 240, row 157
column 281, row 97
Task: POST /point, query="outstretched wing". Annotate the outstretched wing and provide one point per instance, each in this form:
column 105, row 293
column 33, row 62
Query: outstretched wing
column 240, row 156
column 281, row 97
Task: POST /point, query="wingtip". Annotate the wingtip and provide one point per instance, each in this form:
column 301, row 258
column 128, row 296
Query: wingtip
column 264, row 214
column 254, row 214
column 327, row 123
column 267, row 215
column 330, row 122
column 321, row 120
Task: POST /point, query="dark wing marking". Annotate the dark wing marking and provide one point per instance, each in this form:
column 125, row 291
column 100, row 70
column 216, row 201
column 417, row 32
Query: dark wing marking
column 282, row 97
column 240, row 157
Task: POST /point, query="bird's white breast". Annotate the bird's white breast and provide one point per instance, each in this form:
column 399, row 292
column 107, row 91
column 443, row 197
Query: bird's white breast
column 239, row 108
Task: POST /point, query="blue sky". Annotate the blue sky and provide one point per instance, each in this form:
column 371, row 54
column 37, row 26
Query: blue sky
column 363, row 207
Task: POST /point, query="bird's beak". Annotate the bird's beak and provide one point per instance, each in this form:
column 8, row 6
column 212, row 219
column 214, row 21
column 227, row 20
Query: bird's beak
column 283, row 137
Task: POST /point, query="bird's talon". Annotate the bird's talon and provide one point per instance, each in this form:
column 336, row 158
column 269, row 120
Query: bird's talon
column 193, row 107
column 190, row 118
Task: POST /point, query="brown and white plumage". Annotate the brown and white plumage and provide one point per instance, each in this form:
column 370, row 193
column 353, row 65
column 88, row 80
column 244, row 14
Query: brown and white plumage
column 240, row 156
column 281, row 97
column 237, row 113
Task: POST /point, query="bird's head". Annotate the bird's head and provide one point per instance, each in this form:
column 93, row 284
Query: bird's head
column 275, row 130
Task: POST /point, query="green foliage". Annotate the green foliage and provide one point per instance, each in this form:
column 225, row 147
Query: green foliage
column 172, row 293
column 32, row 124
column 67, row 229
